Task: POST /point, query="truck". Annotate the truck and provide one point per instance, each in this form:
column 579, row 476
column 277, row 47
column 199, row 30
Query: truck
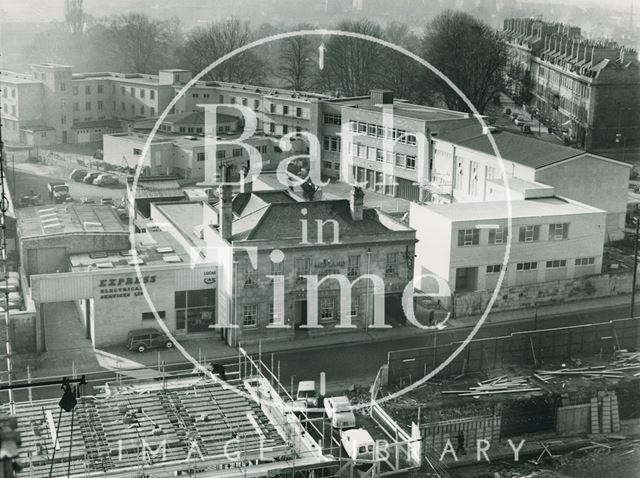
column 358, row 444
column 58, row 192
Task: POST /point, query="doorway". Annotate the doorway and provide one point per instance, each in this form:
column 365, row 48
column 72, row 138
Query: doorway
column 466, row 279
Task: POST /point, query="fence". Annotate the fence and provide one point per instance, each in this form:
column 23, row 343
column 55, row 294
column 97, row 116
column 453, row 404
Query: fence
column 436, row 435
column 529, row 348
column 71, row 161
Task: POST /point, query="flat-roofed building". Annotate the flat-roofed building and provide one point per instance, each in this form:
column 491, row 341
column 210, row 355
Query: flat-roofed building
column 552, row 238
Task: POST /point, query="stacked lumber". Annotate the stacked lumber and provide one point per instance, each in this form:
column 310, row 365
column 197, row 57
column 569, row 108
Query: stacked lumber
column 496, row 386
column 627, row 361
column 599, row 371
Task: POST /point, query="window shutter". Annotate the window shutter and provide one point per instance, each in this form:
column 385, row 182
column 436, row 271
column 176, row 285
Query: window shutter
column 461, row 237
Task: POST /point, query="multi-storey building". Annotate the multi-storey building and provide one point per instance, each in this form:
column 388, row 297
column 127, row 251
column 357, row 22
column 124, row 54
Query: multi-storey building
column 552, row 238
column 588, row 89
column 458, row 162
column 52, row 105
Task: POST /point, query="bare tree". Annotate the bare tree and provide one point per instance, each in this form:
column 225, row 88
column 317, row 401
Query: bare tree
column 352, row 66
column 297, row 62
column 470, row 54
column 207, row 44
column 401, row 73
column 142, row 43
column 74, row 16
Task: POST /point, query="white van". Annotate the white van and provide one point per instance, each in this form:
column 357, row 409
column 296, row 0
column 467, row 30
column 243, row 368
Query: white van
column 339, row 412
column 358, row 444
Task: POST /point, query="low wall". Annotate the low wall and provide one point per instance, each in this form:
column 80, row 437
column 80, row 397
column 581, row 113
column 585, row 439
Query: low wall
column 22, row 332
column 544, row 293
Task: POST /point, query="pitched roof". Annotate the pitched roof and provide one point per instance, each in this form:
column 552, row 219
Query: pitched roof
column 519, row 148
column 281, row 221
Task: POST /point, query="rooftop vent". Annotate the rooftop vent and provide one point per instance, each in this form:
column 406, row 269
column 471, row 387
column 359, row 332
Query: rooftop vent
column 98, row 255
column 171, row 259
column 164, row 249
column 104, row 265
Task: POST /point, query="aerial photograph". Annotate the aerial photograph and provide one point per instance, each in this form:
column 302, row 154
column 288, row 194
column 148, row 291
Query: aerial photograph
column 319, row 238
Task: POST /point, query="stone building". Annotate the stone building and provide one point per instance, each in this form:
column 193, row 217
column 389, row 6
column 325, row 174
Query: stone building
column 589, row 90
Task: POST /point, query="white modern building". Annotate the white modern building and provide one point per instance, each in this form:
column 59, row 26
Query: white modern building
column 552, row 238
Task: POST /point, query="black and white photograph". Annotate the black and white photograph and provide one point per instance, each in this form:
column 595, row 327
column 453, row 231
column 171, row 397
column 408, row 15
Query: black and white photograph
column 319, row 238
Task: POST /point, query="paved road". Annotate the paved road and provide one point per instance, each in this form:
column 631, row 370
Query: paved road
column 24, row 183
column 359, row 363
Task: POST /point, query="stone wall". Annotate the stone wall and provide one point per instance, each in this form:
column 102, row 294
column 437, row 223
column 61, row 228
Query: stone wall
column 545, row 293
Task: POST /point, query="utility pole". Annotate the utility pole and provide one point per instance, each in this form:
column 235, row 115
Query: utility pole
column 636, row 220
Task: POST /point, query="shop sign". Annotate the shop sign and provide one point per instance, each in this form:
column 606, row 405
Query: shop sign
column 120, row 287
column 209, row 277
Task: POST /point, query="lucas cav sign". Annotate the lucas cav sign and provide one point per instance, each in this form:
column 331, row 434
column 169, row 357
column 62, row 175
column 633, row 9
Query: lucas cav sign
column 119, row 287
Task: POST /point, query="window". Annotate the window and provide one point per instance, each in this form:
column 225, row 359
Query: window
column 133, row 91
column 353, row 266
column 141, row 93
column 275, row 313
column 195, row 95
column 411, row 139
column 277, row 268
column 392, row 264
column 327, row 164
column 152, row 94
column 558, row 232
column 63, row 119
column 371, row 130
column 390, row 157
column 331, row 143
column 100, row 89
column 221, row 154
column 326, row 308
column 87, row 90
column 459, row 174
column 250, row 315
column 400, row 160
column 494, row 269
column 355, row 306
column 529, row 233
column 152, row 111
column 585, row 261
column 379, row 155
column 556, row 264
column 245, row 101
column 526, row 266
column 272, row 108
column 123, row 91
column 249, row 274
column 272, row 127
column 285, row 109
column 237, row 152
column 87, row 106
column 303, row 267
column 353, row 125
column 473, row 178
column 75, row 91
column 150, row 316
column 100, row 105
column 63, row 86
column 285, row 129
column 498, row 236
column 256, row 105
column 200, row 156
column 137, row 151
column 123, row 106
column 362, row 127
column 411, row 162
column 221, row 99
column 468, row 237
column 299, row 112
column 337, row 120
column 76, row 107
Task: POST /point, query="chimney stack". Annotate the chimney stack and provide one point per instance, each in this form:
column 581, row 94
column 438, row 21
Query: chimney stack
column 225, row 214
column 356, row 203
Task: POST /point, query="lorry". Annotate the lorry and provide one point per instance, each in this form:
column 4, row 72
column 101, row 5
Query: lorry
column 58, row 192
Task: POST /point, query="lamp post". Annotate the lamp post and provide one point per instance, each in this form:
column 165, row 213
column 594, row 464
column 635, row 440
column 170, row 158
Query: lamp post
column 366, row 318
column 635, row 265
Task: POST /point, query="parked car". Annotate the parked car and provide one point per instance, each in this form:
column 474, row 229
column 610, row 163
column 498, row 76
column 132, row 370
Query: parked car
column 90, row 177
column 106, row 201
column 526, row 129
column 307, row 393
column 31, row 199
column 87, row 200
column 58, row 191
column 358, row 444
column 105, row 180
column 148, row 338
column 78, row 174
column 339, row 412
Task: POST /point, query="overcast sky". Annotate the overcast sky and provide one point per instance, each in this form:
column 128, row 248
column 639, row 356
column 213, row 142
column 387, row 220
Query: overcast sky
column 44, row 10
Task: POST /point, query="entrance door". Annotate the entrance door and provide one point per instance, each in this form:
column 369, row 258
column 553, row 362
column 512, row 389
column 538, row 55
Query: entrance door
column 301, row 313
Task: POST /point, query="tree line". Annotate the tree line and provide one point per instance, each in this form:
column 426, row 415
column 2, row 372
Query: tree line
column 463, row 48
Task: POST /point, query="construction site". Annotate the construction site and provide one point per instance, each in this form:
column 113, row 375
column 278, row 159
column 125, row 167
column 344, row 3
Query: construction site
column 538, row 404
column 238, row 422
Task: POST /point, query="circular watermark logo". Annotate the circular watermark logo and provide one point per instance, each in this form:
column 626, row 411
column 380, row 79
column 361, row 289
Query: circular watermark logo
column 278, row 256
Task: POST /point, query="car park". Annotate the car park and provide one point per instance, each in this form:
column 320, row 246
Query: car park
column 78, row 174
column 140, row 340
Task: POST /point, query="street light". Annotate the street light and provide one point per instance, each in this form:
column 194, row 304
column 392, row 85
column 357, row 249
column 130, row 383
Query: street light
column 366, row 319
